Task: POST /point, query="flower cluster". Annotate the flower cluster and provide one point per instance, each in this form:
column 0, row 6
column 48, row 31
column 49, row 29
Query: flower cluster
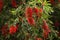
column 29, row 14
column 12, row 30
column 45, row 28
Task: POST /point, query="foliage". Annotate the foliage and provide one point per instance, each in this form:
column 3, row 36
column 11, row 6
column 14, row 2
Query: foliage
column 26, row 20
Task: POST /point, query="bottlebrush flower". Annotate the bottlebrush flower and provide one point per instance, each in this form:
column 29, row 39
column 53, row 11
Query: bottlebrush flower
column 36, row 10
column 4, row 30
column 46, row 29
column 28, row 12
column 45, row 26
column 13, row 29
column 13, row 3
column 31, row 21
column 45, row 34
column 1, row 4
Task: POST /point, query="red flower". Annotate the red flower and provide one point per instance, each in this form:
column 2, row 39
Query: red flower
column 45, row 34
column 56, row 23
column 31, row 21
column 4, row 30
column 45, row 26
column 13, row 3
column 28, row 12
column 46, row 29
column 41, row 10
column 38, row 38
column 36, row 10
column 1, row 4
column 13, row 29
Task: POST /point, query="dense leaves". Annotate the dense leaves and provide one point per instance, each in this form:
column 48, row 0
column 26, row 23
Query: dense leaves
column 26, row 20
